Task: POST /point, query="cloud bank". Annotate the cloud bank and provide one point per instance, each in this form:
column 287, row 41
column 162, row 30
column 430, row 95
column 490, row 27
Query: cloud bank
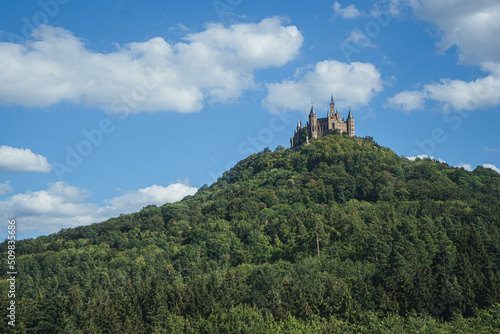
column 353, row 84
column 22, row 160
column 349, row 12
column 473, row 27
column 492, row 167
column 215, row 65
column 5, row 188
column 63, row 206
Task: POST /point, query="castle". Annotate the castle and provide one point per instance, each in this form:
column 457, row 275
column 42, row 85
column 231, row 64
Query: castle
column 319, row 127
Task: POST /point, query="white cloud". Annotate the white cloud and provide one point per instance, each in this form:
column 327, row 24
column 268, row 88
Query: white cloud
column 349, row 12
column 215, row 65
column 467, row 167
column 155, row 194
column 63, row 206
column 22, row 160
column 473, row 27
column 421, row 156
column 407, row 101
column 492, row 166
column 396, row 7
column 352, row 84
column 49, row 210
column 462, row 95
column 182, row 27
column 489, row 150
column 456, row 94
column 425, row 156
column 5, row 188
column 359, row 39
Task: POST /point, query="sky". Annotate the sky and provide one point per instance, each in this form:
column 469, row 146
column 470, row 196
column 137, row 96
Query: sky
column 109, row 106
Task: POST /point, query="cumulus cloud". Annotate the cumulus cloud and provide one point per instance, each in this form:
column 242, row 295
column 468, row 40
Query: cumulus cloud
column 49, row 210
column 215, row 65
column 396, row 7
column 352, row 84
column 134, row 200
column 473, row 28
column 492, row 166
column 425, row 156
column 63, row 206
column 462, row 95
column 359, row 39
column 467, row 167
column 407, row 100
column 22, row 160
column 5, row 188
column 349, row 12
column 456, row 94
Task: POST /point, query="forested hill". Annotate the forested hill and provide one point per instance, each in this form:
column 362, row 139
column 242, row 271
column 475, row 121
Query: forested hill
column 342, row 235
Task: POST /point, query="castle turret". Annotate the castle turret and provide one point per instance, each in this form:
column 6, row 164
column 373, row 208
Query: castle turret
column 332, row 106
column 312, row 112
column 313, row 123
column 350, row 124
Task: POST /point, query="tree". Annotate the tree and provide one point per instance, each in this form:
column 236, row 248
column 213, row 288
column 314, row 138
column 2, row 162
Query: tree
column 304, row 135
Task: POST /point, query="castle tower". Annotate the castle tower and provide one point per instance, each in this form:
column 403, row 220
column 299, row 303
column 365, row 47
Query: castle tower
column 313, row 123
column 332, row 106
column 350, row 124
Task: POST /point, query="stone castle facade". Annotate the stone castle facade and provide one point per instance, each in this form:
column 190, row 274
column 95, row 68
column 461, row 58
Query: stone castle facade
column 319, row 127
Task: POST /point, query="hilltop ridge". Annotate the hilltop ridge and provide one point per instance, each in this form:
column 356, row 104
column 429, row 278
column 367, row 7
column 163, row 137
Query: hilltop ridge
column 337, row 234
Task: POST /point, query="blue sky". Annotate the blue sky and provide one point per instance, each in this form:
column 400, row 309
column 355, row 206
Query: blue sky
column 106, row 107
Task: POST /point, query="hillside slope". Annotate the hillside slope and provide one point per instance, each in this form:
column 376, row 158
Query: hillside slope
column 333, row 237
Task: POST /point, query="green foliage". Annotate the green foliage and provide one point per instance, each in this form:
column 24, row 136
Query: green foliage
column 404, row 246
column 304, row 135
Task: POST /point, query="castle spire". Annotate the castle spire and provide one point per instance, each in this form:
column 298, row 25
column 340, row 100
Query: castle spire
column 312, row 110
column 350, row 115
column 350, row 124
column 332, row 107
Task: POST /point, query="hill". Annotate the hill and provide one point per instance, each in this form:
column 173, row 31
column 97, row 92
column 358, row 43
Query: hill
column 342, row 235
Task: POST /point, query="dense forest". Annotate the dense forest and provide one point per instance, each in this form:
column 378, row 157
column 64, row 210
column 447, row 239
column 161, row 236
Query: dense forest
column 340, row 236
